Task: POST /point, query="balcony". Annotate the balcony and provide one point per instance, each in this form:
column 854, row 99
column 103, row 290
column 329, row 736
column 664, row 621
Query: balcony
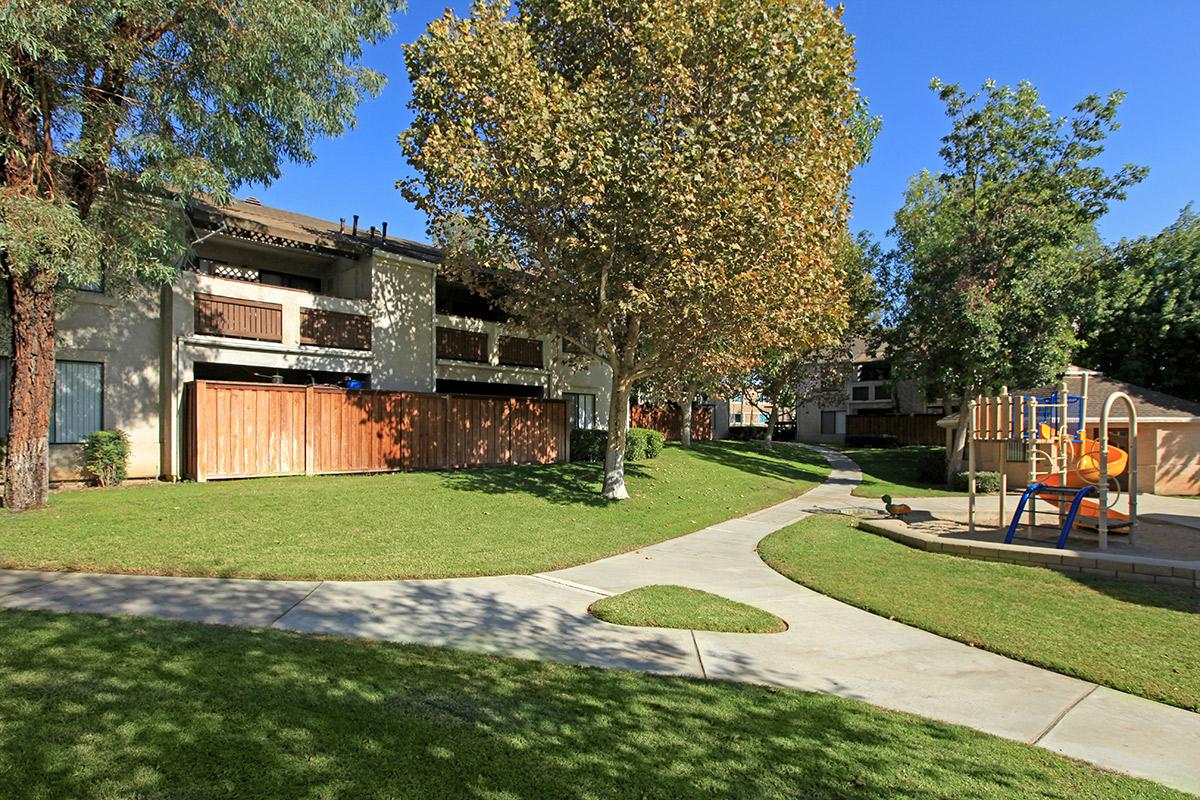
column 486, row 343
column 870, row 392
column 280, row 316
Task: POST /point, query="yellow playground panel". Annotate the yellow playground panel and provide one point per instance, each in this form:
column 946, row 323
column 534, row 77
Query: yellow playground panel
column 1073, row 474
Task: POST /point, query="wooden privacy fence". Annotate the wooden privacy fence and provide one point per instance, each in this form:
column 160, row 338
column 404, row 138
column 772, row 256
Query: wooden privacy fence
column 243, row 430
column 667, row 420
column 908, row 428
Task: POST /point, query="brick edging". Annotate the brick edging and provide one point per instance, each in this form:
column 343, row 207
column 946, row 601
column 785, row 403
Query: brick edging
column 1108, row 565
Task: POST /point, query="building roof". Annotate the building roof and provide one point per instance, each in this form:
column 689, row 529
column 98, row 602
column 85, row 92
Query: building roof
column 1149, row 403
column 251, row 219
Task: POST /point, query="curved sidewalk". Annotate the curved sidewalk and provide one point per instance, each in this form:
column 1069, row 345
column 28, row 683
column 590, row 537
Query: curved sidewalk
column 829, row 647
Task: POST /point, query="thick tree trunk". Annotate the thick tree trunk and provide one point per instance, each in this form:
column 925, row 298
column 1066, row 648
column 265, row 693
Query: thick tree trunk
column 27, row 472
column 685, row 416
column 614, row 455
column 772, row 420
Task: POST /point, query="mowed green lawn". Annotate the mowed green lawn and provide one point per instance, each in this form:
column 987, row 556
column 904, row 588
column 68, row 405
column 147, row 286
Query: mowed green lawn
column 408, row 525
column 666, row 606
column 893, row 471
column 97, row 708
column 1136, row 637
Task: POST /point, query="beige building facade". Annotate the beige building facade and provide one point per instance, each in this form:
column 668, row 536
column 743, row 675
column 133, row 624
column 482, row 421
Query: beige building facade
column 271, row 296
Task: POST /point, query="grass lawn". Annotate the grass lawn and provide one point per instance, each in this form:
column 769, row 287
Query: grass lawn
column 893, row 471
column 121, row 708
column 680, row 607
column 402, row 525
column 1139, row 638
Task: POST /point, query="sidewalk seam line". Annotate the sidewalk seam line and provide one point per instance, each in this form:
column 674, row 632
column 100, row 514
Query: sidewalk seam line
column 699, row 660
column 579, row 587
column 1059, row 717
column 292, row 607
column 7, row 595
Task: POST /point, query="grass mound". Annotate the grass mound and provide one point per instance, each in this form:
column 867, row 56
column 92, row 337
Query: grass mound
column 664, row 606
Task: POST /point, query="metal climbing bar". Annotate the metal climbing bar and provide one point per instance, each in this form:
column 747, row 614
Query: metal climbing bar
column 1074, row 512
column 1030, row 490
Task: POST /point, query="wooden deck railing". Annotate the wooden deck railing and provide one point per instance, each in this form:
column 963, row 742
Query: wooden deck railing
column 242, row 430
column 460, row 345
column 517, row 351
column 335, row 329
column 238, row 318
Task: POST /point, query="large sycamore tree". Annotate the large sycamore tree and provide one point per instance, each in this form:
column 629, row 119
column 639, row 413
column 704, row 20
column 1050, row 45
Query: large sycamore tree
column 988, row 274
column 661, row 183
column 112, row 114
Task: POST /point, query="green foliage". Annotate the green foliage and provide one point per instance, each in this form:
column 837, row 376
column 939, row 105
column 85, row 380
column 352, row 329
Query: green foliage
column 931, row 467
column 661, row 179
column 985, row 482
column 641, row 444
column 986, row 276
column 106, row 456
column 587, row 444
column 1143, row 325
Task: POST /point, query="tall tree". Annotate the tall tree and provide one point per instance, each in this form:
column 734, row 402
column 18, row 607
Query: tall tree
column 113, row 114
column 985, row 277
column 1143, row 325
column 659, row 181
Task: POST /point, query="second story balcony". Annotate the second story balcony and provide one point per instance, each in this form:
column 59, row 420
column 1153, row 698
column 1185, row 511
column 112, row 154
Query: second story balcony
column 486, row 343
column 277, row 315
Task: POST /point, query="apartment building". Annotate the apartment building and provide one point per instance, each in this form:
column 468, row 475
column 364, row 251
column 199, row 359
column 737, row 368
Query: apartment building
column 870, row 391
column 272, row 296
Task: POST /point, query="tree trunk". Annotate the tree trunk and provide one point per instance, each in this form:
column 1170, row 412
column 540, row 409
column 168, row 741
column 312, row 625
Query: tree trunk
column 685, row 416
column 27, row 469
column 772, row 419
column 614, row 455
column 954, row 464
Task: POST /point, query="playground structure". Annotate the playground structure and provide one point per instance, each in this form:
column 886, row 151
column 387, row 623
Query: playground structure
column 1066, row 468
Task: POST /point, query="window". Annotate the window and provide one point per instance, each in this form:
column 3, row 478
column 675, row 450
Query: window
column 737, row 418
column 4, row 395
column 1016, row 452
column 883, row 392
column 860, row 393
column 582, row 408
column 833, row 422
column 78, row 401
column 737, row 398
column 763, row 419
column 268, row 277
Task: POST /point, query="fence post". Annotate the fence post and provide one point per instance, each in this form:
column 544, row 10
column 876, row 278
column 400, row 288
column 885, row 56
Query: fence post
column 195, row 451
column 446, row 436
column 310, row 429
column 566, row 428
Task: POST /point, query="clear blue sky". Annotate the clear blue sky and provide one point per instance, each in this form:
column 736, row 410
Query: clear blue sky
column 1149, row 49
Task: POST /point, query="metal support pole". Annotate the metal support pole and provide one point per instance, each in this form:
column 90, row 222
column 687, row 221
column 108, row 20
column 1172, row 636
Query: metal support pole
column 971, row 465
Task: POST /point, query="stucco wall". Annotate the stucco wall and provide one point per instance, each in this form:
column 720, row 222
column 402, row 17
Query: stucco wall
column 122, row 333
column 1178, row 468
column 401, row 309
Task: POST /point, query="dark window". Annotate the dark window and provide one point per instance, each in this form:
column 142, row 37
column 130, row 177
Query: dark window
column 78, row 401
column 875, row 371
column 267, row 277
column 461, row 345
column 883, row 391
column 582, row 408
column 833, row 422
column 860, row 393
column 516, row 351
column 490, row 389
column 455, row 299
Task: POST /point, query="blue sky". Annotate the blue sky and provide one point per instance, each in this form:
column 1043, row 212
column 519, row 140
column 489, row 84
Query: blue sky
column 1067, row 49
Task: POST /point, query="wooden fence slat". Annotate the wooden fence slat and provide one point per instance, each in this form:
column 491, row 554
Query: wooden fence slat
column 909, row 429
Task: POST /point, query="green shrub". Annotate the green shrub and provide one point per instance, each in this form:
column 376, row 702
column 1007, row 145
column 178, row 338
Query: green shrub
column 106, row 456
column 588, row 444
column 655, row 441
column 746, row 433
column 931, row 467
column 985, row 482
column 872, row 440
column 641, row 444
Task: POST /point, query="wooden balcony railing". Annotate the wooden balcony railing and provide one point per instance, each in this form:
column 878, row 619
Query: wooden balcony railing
column 462, row 345
column 334, row 329
column 516, row 351
column 238, row 318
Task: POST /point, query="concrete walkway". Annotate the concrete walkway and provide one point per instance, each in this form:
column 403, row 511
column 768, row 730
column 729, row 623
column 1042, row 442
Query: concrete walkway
column 829, row 647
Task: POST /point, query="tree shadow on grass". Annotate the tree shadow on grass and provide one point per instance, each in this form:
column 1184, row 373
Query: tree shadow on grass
column 562, row 484
column 782, row 461
column 113, row 707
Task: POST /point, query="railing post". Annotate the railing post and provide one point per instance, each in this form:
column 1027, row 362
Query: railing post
column 310, row 430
